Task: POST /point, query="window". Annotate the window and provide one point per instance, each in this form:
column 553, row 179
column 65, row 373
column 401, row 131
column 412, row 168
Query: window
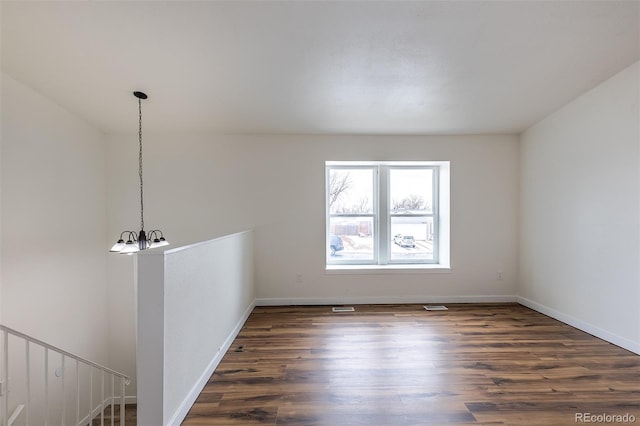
column 387, row 213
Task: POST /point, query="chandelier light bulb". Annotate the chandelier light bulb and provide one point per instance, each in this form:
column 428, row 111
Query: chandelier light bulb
column 118, row 246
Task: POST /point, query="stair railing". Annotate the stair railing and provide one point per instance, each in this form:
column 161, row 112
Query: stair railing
column 28, row 407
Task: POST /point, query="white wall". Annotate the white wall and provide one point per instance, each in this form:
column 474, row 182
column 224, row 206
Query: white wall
column 192, row 302
column 53, row 223
column 212, row 186
column 290, row 241
column 580, row 203
column 200, row 186
column 53, row 220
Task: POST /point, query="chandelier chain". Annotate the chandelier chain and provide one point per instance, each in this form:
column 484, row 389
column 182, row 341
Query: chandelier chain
column 138, row 241
column 140, row 163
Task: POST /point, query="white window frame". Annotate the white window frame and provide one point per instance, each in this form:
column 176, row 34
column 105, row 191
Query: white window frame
column 382, row 215
column 375, row 214
column 387, row 216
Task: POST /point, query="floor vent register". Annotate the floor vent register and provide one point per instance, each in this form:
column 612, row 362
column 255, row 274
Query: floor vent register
column 436, row 308
column 343, row 309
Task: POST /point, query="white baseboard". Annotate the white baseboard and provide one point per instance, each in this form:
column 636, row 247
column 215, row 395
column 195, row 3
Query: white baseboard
column 183, row 409
column 582, row 325
column 375, row 300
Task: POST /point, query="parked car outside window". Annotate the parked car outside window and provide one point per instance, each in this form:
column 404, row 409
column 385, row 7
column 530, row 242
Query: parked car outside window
column 336, row 244
column 404, row 240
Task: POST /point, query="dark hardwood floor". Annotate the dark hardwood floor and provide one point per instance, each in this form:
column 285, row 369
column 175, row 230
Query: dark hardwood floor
column 130, row 416
column 402, row 365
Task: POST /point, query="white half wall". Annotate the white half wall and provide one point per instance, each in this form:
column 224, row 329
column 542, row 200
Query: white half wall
column 192, row 302
column 580, row 204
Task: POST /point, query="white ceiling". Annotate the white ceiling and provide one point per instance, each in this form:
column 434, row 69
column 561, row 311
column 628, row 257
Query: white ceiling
column 390, row 67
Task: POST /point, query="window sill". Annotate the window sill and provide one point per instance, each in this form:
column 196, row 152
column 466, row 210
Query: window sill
column 388, row 269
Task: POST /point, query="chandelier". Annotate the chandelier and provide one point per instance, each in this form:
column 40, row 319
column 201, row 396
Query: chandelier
column 139, row 241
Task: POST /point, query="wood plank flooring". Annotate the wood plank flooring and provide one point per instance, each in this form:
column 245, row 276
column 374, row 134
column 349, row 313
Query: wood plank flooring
column 402, row 365
column 130, row 416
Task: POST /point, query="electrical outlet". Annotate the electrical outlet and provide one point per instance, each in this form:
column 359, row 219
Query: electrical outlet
column 299, row 279
column 499, row 276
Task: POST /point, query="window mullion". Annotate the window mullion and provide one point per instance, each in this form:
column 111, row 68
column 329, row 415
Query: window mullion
column 384, row 233
column 435, row 202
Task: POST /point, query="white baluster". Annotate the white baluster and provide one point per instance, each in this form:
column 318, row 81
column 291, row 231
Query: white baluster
column 122, row 380
column 64, row 393
column 77, row 392
column 27, row 354
column 90, row 394
column 102, row 399
column 5, row 377
column 113, row 398
column 46, row 386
